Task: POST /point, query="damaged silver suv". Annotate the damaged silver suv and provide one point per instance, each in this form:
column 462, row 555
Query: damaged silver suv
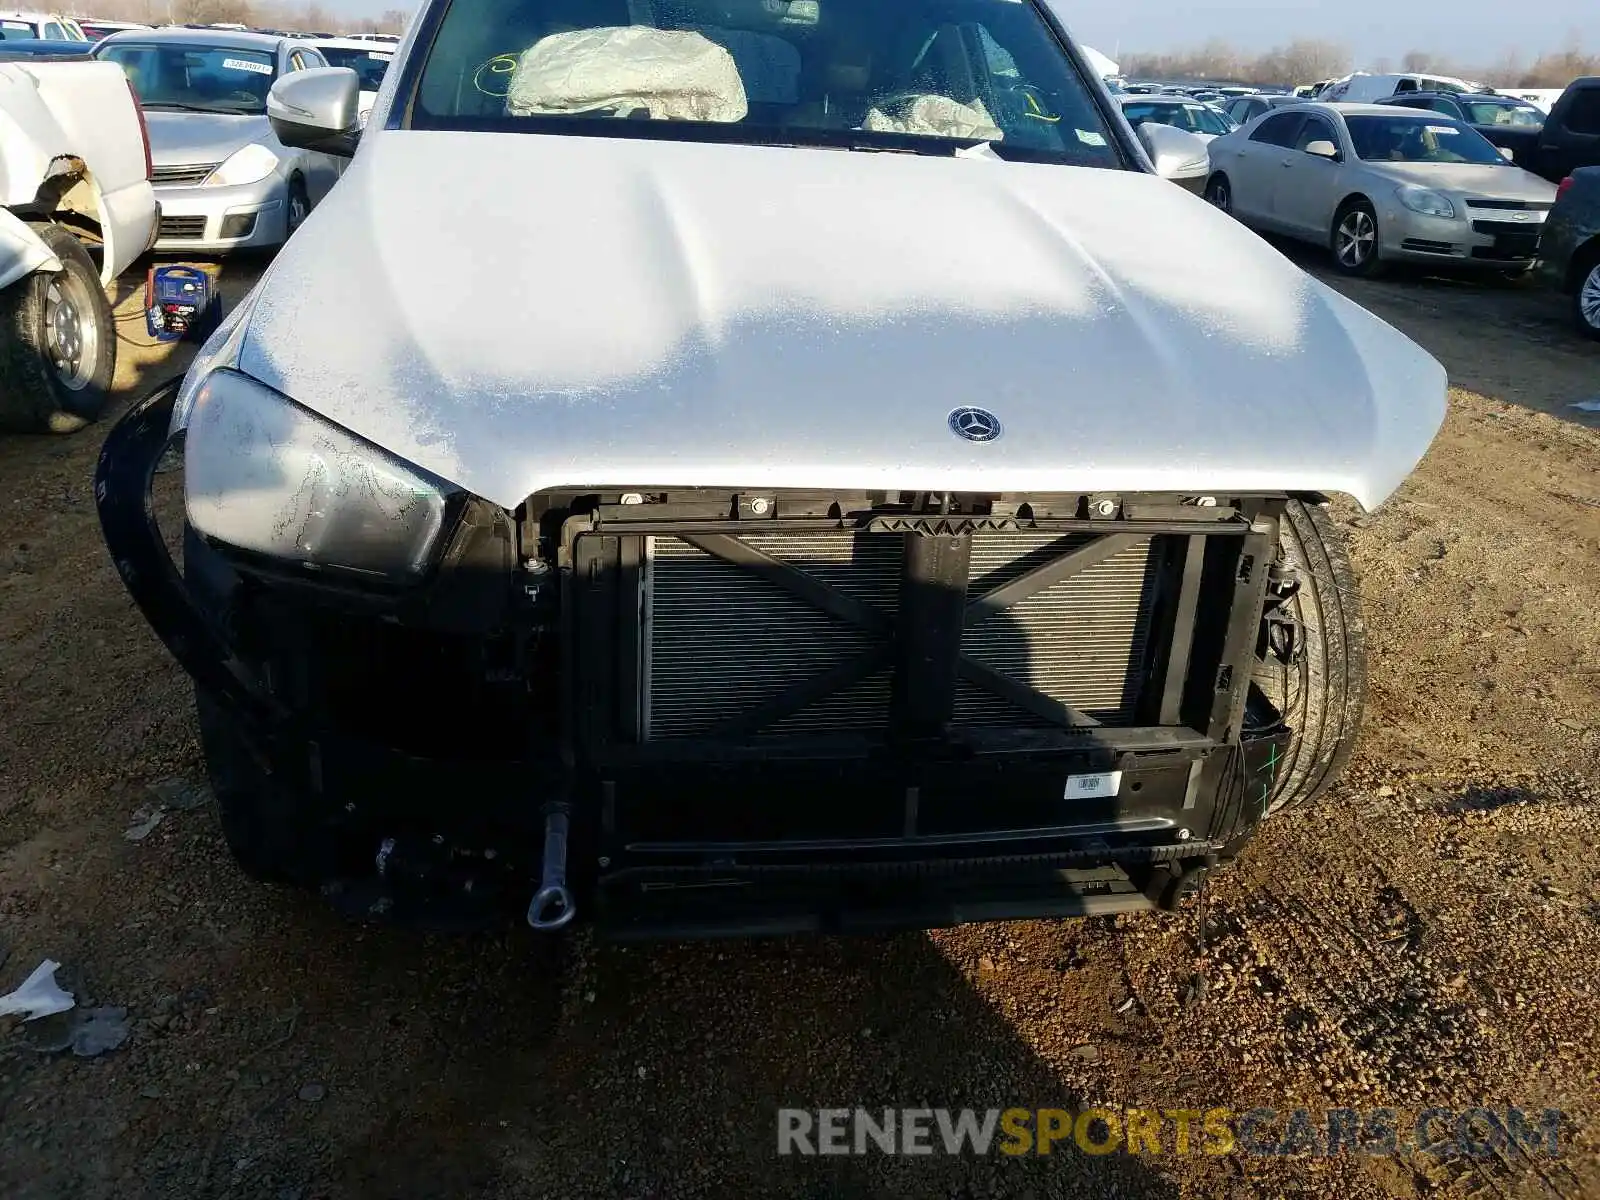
column 758, row 465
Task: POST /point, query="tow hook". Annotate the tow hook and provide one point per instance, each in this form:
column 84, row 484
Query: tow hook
column 1182, row 880
column 552, row 905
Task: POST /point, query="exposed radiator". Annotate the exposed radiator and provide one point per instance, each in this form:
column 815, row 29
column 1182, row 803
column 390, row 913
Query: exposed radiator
column 718, row 640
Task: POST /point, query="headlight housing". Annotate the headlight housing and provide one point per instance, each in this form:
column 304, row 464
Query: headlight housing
column 1426, row 201
column 265, row 475
column 221, row 349
column 250, row 164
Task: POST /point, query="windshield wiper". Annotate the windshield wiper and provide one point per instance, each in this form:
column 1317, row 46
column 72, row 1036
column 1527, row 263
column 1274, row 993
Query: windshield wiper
column 199, row 108
column 934, row 147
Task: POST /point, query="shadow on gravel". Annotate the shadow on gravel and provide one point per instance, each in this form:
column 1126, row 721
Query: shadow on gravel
column 491, row 1070
column 355, row 1062
column 1488, row 799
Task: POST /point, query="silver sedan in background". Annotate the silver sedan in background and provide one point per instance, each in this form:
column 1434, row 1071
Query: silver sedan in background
column 224, row 180
column 1378, row 184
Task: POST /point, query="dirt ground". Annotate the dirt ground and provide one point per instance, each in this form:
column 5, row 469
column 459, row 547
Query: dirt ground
column 1427, row 937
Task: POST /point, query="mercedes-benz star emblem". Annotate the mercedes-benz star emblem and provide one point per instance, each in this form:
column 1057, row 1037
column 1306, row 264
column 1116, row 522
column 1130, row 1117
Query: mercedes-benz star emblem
column 975, row 424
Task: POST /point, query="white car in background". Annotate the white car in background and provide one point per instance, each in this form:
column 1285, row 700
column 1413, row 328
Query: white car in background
column 367, row 56
column 1362, row 88
column 1205, row 121
column 74, row 154
column 224, row 180
column 46, row 27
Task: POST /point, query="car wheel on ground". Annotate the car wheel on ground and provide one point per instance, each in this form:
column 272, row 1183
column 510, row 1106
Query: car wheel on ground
column 1219, row 193
column 1586, row 299
column 1354, row 240
column 1311, row 657
column 299, row 204
column 58, row 343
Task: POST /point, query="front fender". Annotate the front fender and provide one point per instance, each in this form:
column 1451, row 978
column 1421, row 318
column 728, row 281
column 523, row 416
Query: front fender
column 22, row 251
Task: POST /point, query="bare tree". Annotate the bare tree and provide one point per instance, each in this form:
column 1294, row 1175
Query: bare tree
column 1508, row 72
column 1417, row 61
column 212, row 12
column 1303, row 61
column 1309, row 60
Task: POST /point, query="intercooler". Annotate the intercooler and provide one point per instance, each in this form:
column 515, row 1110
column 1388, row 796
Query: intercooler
column 718, row 639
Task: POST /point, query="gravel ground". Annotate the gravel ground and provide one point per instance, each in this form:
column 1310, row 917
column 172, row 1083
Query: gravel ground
column 1427, row 937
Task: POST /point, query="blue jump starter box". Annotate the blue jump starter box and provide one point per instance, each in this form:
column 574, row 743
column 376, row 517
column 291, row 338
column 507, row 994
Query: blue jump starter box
column 179, row 303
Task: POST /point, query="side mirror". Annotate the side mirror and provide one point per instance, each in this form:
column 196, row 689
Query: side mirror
column 1322, row 149
column 1176, row 154
column 1508, row 154
column 316, row 110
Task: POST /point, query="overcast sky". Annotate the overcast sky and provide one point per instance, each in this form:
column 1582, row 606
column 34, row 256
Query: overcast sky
column 1475, row 32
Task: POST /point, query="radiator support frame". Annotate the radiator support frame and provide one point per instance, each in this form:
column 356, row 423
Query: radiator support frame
column 1186, row 751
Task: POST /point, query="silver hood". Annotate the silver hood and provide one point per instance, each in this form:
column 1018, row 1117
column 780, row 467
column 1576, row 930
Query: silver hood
column 178, row 138
column 1469, row 179
column 585, row 311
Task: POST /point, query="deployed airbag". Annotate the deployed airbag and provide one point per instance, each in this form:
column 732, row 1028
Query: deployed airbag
column 674, row 75
column 938, row 116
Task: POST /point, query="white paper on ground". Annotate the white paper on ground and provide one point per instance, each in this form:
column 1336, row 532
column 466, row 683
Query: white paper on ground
column 39, row 996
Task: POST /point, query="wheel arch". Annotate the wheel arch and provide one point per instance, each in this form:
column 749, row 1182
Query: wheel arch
column 1583, row 261
column 70, row 195
column 1352, row 198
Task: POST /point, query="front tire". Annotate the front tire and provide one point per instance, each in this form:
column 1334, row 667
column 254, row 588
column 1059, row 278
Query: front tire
column 58, row 343
column 1586, row 300
column 1354, row 240
column 1320, row 690
column 298, row 206
column 1219, row 193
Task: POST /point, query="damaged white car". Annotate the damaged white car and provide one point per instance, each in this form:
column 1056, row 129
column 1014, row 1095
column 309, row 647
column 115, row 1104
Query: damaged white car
column 764, row 465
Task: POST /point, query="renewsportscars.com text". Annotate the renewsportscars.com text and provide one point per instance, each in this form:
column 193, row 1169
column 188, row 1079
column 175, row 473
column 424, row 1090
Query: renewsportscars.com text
column 1471, row 1132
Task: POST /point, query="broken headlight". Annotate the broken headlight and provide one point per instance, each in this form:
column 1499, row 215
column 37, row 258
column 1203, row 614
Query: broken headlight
column 265, row 475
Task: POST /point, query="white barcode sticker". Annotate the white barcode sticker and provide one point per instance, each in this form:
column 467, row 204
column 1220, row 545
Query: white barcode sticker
column 244, row 64
column 1093, row 787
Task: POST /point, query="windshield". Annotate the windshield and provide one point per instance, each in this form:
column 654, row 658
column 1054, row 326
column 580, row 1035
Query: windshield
column 1488, row 112
column 1420, row 140
column 368, row 65
column 195, row 78
column 17, row 31
column 1196, row 118
column 929, row 75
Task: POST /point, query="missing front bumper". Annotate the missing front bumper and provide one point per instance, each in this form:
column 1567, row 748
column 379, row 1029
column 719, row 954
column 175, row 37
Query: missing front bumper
column 931, row 810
